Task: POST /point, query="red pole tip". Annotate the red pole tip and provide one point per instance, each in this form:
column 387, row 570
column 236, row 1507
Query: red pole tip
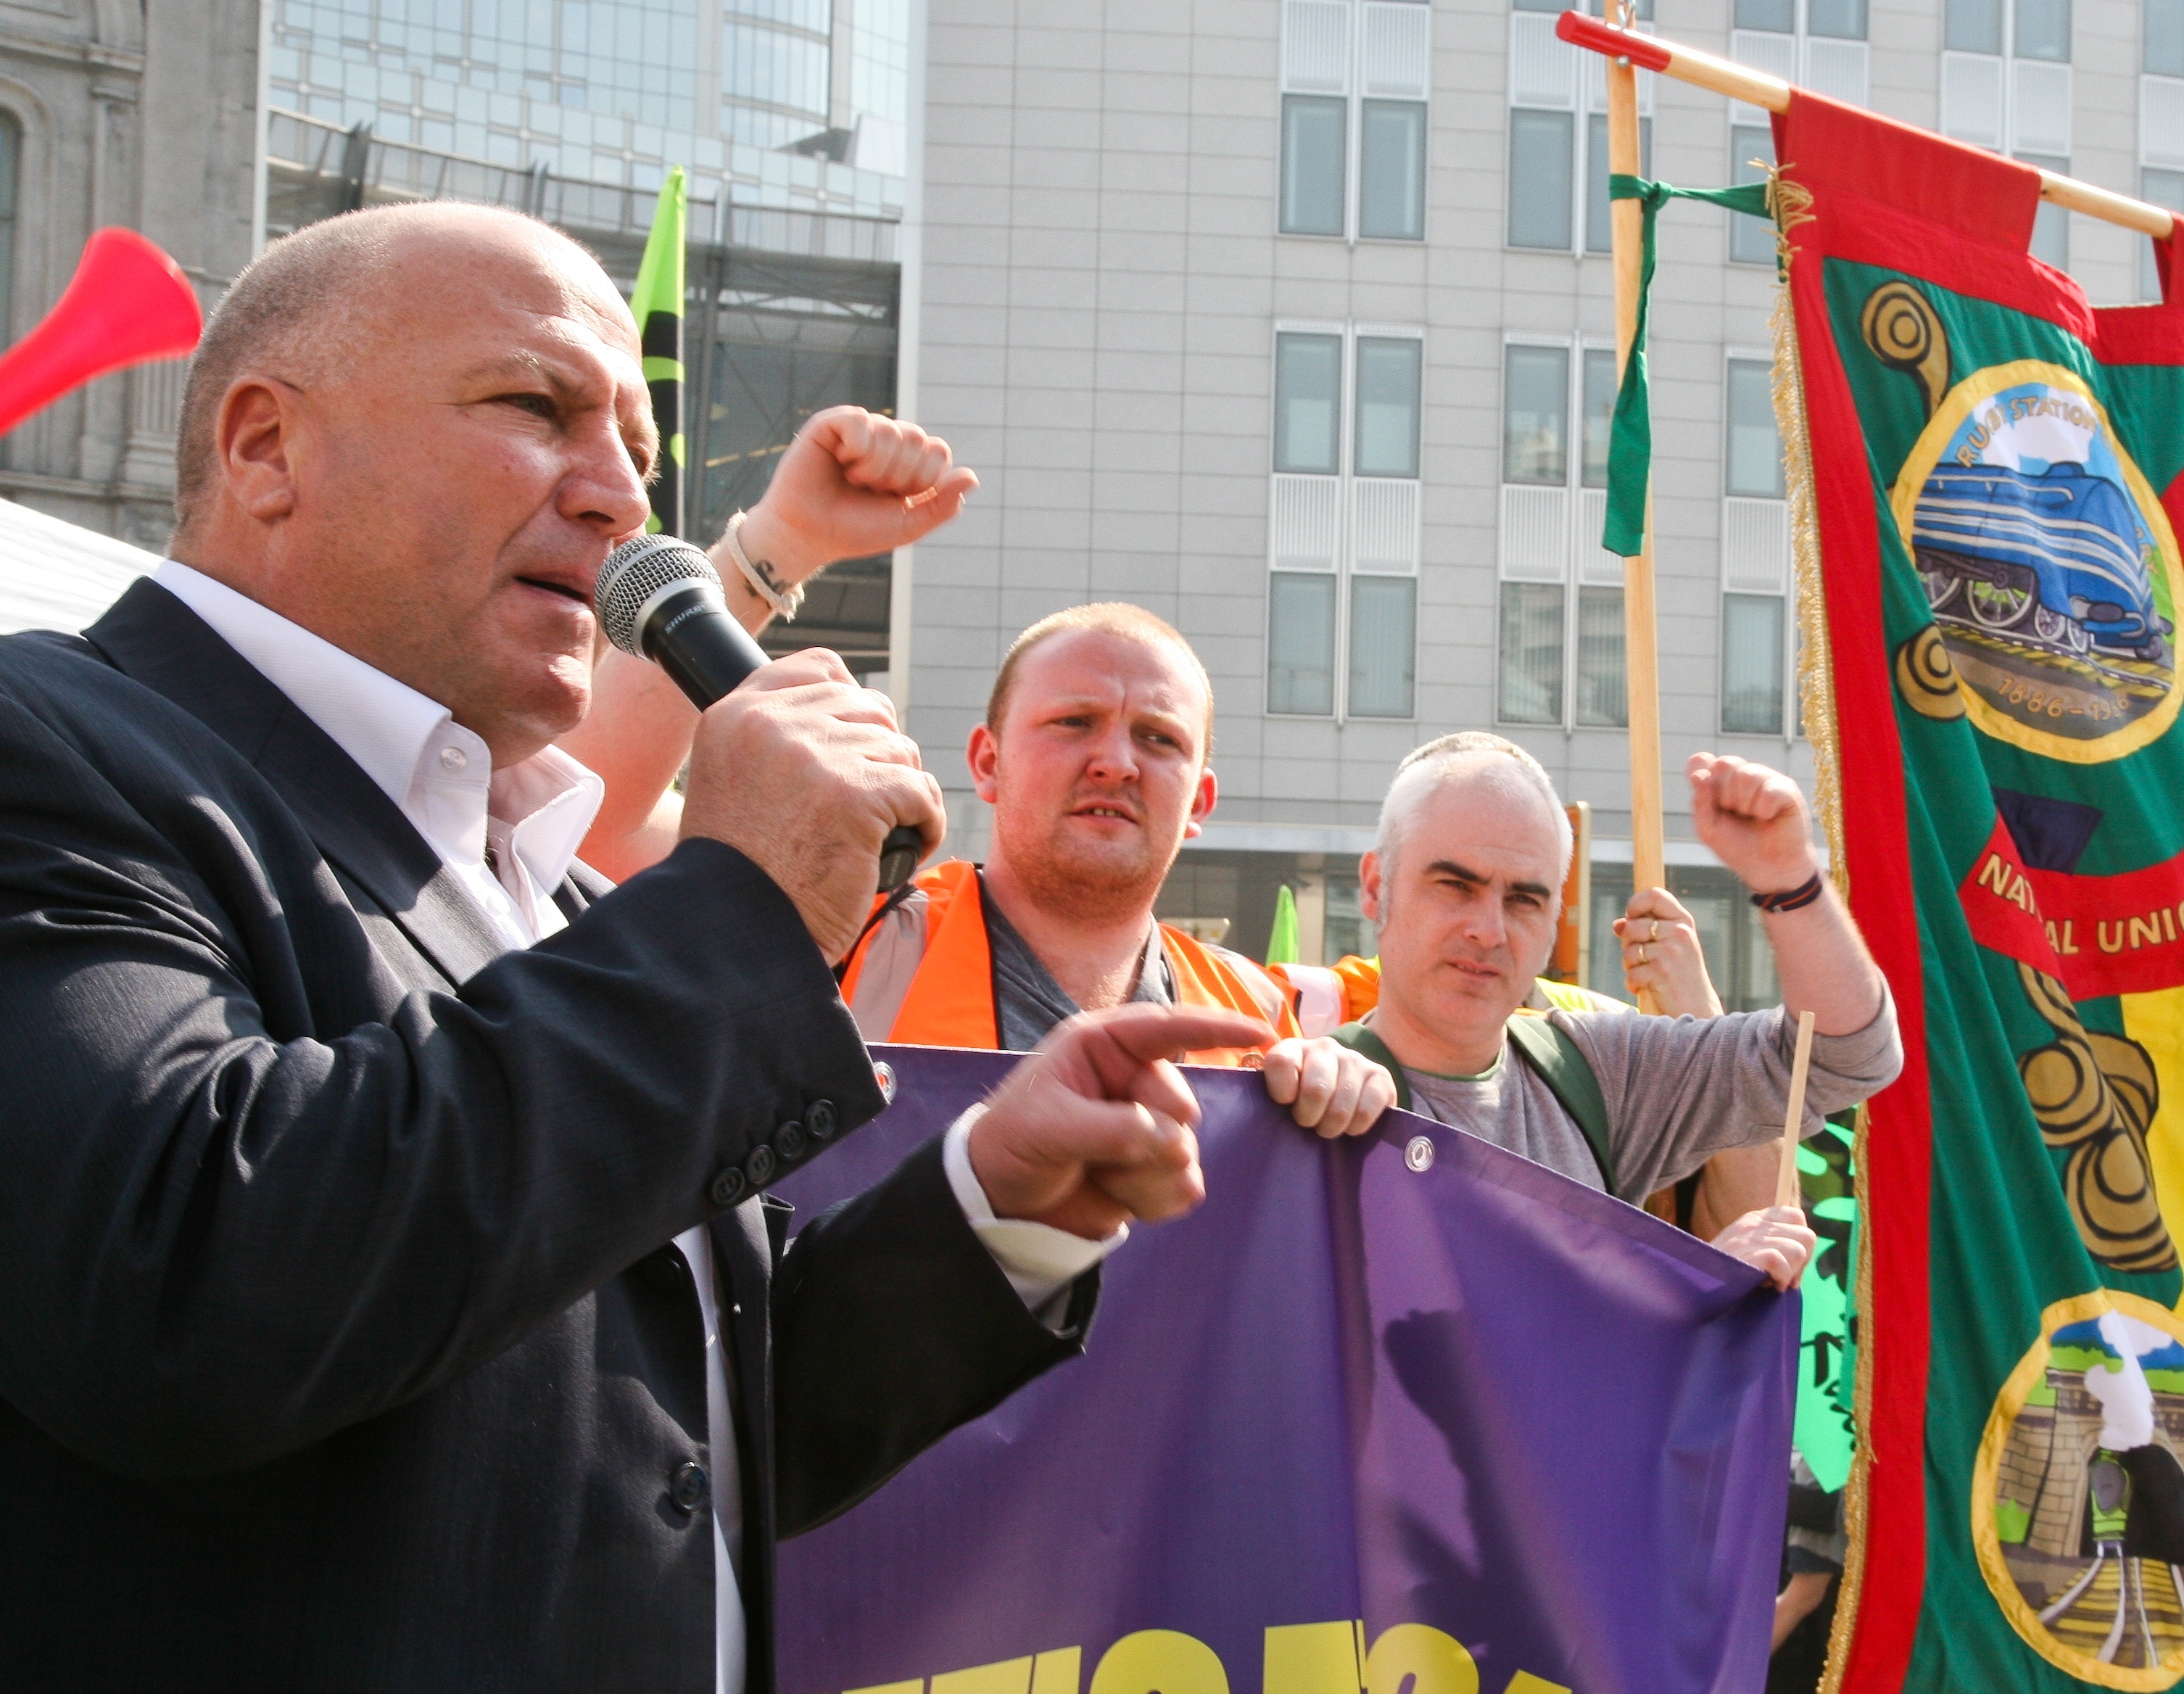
column 1581, row 30
column 128, row 302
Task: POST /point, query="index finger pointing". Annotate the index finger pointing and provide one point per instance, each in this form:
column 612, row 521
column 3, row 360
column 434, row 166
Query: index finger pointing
column 1145, row 1032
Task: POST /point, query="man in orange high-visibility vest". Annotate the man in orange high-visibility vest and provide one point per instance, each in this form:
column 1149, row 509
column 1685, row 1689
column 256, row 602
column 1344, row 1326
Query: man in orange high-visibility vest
column 1092, row 755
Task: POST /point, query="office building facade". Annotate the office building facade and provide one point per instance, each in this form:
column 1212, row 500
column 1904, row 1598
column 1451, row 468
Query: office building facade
column 1293, row 321
column 215, row 127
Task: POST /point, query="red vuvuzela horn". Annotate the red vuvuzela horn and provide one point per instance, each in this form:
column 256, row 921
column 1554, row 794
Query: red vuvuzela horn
column 127, row 303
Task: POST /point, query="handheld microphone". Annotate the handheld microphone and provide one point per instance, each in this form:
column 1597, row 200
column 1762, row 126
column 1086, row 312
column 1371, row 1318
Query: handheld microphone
column 659, row 598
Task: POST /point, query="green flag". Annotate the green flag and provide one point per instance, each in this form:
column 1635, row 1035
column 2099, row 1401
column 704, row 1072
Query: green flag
column 1986, row 479
column 657, row 303
column 1282, row 945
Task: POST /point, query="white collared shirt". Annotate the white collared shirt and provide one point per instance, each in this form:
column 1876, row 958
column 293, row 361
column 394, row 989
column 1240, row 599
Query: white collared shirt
column 533, row 816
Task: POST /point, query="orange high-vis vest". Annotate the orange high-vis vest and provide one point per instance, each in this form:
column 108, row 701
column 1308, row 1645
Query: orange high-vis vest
column 925, row 974
column 1328, row 996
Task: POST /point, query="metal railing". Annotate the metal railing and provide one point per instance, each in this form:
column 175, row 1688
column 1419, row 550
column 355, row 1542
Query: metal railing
column 316, row 169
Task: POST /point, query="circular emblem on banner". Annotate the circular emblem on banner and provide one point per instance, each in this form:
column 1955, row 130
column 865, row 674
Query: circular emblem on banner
column 2078, row 1493
column 2048, row 561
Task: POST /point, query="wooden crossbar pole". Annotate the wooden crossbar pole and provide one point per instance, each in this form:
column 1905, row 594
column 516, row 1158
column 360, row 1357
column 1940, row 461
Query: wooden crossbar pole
column 1757, row 88
column 1641, row 652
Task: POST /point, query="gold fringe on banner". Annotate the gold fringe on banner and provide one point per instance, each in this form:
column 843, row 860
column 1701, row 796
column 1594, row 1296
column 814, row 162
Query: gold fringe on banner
column 1791, row 202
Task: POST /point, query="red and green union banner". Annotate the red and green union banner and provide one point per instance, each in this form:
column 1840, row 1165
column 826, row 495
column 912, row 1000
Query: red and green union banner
column 1988, row 485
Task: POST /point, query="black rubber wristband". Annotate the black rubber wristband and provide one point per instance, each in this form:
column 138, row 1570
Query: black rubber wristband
column 1792, row 899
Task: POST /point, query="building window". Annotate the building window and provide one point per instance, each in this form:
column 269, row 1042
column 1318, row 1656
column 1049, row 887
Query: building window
column 1308, row 404
column 1313, row 132
column 1542, row 177
column 1558, row 184
column 2042, row 30
column 1755, row 557
column 1356, row 75
column 1751, row 664
column 1301, row 644
column 1750, row 151
column 1973, row 25
column 1391, row 171
column 2164, row 26
column 2160, row 123
column 2005, row 86
column 1561, row 657
column 1817, row 44
column 1389, row 373
column 1343, row 522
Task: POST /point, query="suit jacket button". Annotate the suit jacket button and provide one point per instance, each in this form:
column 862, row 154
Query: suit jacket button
column 820, row 1120
column 728, row 1187
column 759, row 1167
column 686, row 1485
column 665, row 1270
column 789, row 1141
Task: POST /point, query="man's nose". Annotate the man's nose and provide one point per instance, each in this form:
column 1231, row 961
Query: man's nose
column 1114, row 754
column 604, row 489
column 1483, row 924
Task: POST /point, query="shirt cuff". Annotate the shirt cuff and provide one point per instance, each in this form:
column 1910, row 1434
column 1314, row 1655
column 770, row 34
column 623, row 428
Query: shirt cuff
column 1039, row 1261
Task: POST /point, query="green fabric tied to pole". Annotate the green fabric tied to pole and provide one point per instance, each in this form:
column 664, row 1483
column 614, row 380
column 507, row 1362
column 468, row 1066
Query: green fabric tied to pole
column 1282, row 945
column 1630, row 441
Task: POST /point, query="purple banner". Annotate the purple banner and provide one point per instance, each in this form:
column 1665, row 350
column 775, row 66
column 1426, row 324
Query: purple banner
column 1402, row 1407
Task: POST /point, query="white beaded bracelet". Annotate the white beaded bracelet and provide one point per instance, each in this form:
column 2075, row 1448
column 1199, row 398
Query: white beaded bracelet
column 785, row 605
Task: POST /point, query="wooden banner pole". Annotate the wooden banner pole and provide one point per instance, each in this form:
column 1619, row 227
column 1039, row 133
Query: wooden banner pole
column 1772, row 93
column 1641, row 656
column 1786, row 1191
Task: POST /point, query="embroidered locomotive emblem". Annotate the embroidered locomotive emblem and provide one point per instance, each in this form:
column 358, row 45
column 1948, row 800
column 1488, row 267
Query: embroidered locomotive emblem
column 2047, row 561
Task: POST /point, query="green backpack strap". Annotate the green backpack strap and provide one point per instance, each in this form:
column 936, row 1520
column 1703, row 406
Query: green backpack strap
column 1568, row 1075
column 1560, row 1062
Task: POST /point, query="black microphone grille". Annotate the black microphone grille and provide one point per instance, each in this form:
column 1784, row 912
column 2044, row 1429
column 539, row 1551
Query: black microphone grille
column 634, row 575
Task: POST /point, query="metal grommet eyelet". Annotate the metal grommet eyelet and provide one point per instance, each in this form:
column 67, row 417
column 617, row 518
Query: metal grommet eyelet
column 883, row 1074
column 1419, row 1154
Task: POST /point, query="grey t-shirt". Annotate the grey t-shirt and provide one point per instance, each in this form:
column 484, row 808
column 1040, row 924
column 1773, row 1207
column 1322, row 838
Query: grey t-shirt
column 1028, row 1001
column 1679, row 1090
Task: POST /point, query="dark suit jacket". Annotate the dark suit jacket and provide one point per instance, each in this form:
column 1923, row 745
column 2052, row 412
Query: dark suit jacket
column 340, row 1348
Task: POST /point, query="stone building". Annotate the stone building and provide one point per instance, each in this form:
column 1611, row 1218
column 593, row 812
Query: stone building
column 115, row 112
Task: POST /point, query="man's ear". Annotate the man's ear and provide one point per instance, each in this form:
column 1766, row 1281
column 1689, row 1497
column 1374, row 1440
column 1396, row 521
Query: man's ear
column 982, row 755
column 254, row 440
column 1201, row 805
column 1369, row 887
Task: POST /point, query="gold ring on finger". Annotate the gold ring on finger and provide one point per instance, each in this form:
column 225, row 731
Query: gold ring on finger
column 1656, row 935
column 1641, row 952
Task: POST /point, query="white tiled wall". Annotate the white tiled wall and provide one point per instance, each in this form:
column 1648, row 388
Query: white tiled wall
column 1100, row 287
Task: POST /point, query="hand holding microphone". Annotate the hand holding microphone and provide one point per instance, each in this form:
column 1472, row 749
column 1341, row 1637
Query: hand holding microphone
column 799, row 769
